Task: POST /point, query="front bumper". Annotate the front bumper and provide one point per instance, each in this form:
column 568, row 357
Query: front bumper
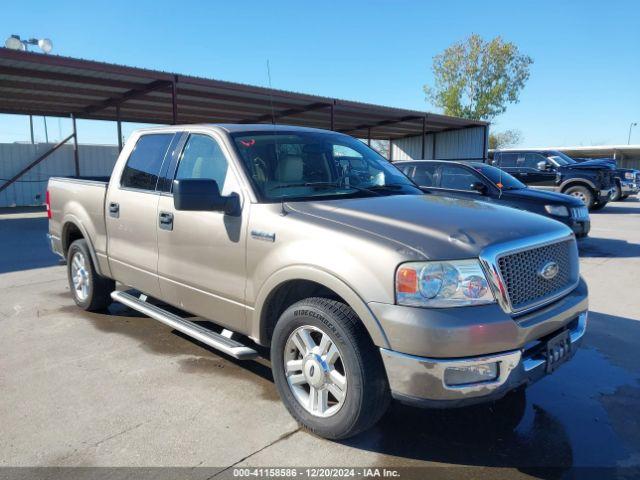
column 421, row 381
column 629, row 188
column 580, row 226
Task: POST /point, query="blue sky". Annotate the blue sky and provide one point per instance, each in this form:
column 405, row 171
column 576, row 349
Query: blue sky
column 584, row 87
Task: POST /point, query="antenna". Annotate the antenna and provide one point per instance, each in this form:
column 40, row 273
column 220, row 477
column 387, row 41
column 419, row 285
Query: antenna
column 283, row 211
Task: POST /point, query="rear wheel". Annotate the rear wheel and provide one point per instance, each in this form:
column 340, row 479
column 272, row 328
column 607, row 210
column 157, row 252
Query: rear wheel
column 616, row 196
column 90, row 291
column 583, row 193
column 326, row 369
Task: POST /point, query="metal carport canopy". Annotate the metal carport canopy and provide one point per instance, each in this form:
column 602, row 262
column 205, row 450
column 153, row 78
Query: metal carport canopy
column 38, row 84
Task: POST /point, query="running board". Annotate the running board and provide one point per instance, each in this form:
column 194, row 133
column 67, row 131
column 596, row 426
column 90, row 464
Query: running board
column 208, row 337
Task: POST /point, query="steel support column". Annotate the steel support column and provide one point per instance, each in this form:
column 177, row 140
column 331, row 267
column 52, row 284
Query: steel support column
column 433, row 146
column 174, row 99
column 76, row 159
column 119, row 127
column 31, row 129
column 424, row 136
column 484, row 143
column 390, row 148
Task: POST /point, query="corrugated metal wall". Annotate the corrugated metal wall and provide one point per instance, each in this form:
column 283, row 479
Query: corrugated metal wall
column 95, row 160
column 467, row 143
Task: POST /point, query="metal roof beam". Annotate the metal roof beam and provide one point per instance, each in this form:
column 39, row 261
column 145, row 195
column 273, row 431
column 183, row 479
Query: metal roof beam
column 131, row 94
column 382, row 123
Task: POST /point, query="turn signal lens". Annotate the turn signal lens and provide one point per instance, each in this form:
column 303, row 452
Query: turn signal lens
column 407, row 280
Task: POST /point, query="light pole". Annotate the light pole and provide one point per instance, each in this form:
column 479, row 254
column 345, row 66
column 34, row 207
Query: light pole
column 633, row 124
column 14, row 42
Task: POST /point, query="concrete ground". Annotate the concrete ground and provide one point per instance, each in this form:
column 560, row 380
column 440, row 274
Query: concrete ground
column 119, row 389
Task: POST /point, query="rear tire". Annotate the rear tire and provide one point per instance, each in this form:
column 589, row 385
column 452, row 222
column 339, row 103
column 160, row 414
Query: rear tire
column 583, row 193
column 334, row 395
column 90, row 291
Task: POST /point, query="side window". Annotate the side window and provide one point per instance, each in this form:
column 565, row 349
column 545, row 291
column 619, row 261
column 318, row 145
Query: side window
column 203, row 158
column 456, row 177
column 425, row 174
column 507, row 160
column 531, row 160
column 144, row 163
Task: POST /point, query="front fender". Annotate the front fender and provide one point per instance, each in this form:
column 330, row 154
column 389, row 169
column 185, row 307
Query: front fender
column 326, row 279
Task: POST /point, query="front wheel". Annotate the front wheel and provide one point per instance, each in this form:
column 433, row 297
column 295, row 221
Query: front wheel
column 326, row 369
column 583, row 193
column 90, row 291
column 616, row 196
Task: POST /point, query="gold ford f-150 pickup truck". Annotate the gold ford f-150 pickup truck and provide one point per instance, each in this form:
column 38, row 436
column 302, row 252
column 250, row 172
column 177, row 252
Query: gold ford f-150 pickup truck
column 309, row 242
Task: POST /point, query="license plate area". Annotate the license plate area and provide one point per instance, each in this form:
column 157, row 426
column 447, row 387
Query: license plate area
column 558, row 350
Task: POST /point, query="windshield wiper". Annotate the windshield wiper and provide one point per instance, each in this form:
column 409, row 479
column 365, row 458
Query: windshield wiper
column 322, row 184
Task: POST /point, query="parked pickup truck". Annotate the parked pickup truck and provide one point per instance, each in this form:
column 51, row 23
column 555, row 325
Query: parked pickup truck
column 553, row 170
column 627, row 180
column 309, row 242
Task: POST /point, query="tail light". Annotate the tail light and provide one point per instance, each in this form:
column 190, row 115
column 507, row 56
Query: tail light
column 47, row 201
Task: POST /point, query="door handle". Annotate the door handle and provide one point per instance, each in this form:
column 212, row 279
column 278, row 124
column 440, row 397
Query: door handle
column 114, row 209
column 166, row 220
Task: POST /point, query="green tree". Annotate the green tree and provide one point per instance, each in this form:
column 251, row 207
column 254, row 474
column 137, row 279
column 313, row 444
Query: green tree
column 477, row 79
column 505, row 139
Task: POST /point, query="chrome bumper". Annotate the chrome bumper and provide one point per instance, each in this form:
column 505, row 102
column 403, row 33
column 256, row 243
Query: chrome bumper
column 55, row 245
column 629, row 188
column 421, row 381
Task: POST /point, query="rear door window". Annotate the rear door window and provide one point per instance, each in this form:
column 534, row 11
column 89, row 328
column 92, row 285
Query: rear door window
column 425, row 174
column 143, row 166
column 455, row 177
column 506, row 160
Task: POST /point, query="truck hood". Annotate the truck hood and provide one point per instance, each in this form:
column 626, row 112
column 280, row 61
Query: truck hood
column 590, row 165
column 436, row 227
column 543, row 197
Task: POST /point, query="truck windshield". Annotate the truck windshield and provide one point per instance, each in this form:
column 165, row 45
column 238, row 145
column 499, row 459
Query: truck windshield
column 561, row 158
column 305, row 165
column 500, row 178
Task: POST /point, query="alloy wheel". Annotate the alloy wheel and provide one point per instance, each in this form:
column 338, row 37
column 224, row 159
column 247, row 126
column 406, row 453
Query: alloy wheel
column 315, row 372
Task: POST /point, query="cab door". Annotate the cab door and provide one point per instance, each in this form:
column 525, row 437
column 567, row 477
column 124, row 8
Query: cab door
column 532, row 175
column 201, row 254
column 131, row 212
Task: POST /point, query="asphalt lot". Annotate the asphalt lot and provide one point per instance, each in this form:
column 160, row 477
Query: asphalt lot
column 119, row 389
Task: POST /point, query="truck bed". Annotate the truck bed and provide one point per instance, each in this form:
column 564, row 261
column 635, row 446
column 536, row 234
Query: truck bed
column 82, row 200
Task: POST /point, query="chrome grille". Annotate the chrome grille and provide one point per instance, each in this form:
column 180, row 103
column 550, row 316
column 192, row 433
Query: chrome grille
column 580, row 213
column 521, row 274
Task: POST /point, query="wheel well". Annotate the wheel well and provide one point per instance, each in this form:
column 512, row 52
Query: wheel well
column 70, row 234
column 578, row 184
column 285, row 295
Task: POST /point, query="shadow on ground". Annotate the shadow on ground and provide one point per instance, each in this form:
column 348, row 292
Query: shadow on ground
column 595, row 247
column 24, row 244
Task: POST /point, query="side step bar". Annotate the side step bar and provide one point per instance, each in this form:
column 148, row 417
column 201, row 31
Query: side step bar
column 208, row 337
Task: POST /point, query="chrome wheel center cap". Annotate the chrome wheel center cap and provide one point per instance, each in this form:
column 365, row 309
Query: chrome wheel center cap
column 315, row 370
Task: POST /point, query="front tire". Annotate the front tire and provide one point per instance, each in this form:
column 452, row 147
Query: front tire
column 326, row 369
column 583, row 193
column 90, row 291
column 616, row 196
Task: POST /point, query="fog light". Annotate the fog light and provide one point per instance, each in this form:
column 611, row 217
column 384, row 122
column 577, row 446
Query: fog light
column 487, row 372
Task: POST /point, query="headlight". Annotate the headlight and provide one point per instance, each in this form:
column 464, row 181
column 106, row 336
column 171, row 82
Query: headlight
column 442, row 284
column 557, row 210
column 629, row 175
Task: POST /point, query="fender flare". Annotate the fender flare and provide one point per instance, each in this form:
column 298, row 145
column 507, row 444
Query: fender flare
column 71, row 219
column 326, row 279
column 586, row 181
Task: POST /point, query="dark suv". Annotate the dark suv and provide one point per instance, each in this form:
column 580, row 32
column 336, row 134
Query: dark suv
column 553, row 170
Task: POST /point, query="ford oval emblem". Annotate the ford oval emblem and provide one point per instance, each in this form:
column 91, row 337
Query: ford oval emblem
column 549, row 270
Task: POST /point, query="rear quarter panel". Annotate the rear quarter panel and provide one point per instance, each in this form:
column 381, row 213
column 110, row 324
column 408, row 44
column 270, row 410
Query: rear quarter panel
column 81, row 203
